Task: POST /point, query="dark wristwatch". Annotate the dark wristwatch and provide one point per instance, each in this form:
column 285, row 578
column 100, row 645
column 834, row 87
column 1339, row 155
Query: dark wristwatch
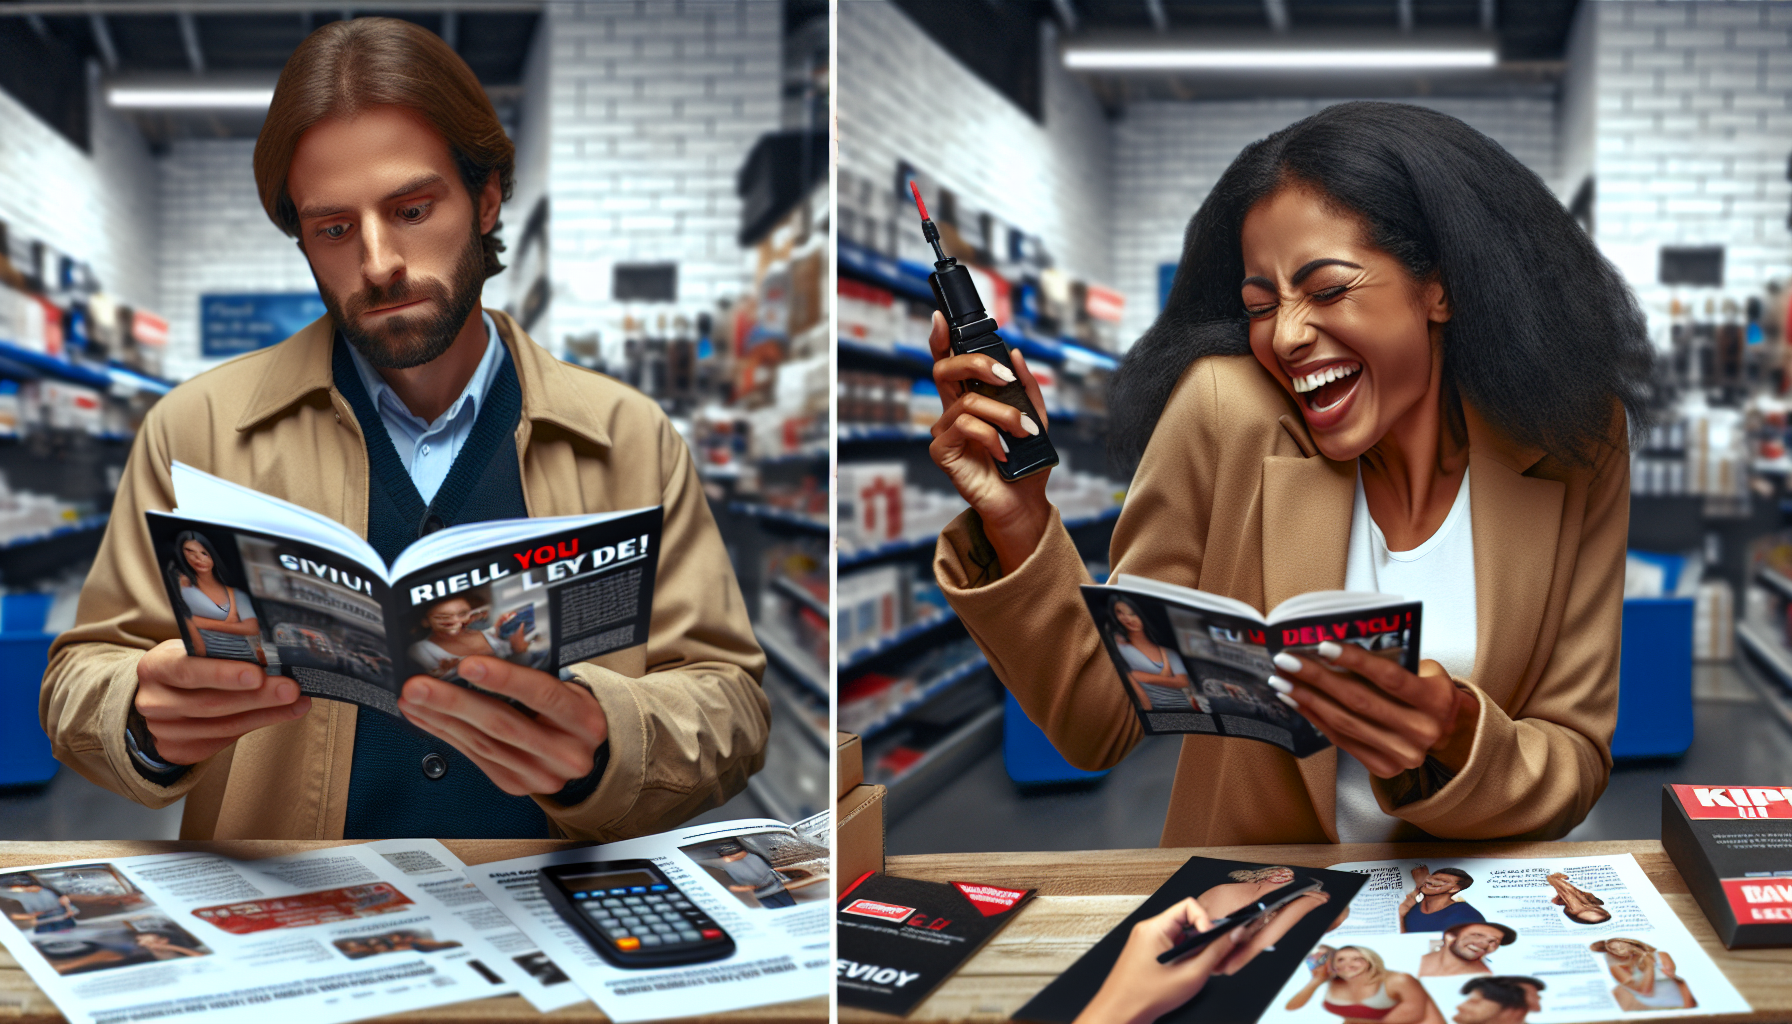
column 142, row 745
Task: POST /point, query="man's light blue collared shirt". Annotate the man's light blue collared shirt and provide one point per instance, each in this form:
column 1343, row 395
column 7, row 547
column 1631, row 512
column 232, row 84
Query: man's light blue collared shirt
column 428, row 450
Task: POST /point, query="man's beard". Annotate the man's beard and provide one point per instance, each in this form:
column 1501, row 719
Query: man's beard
column 405, row 340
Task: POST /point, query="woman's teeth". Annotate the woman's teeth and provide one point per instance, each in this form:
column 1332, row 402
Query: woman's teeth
column 1314, row 380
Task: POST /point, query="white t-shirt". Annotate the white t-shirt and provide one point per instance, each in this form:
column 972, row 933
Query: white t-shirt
column 1441, row 573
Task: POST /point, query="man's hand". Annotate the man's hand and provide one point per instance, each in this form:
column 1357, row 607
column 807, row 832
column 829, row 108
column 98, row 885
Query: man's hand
column 196, row 707
column 521, row 755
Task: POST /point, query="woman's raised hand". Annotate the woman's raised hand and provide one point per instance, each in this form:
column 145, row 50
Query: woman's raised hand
column 967, row 444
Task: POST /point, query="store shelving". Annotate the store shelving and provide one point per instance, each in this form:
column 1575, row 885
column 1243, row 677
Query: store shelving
column 925, row 692
column 86, row 524
column 793, row 662
column 943, row 762
column 910, row 545
column 865, row 655
column 772, row 514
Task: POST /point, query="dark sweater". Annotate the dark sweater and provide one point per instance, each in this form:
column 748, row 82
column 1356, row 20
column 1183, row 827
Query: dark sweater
column 391, row 793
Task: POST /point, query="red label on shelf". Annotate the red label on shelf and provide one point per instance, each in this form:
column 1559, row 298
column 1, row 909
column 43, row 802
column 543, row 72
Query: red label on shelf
column 1735, row 801
column 1760, row 900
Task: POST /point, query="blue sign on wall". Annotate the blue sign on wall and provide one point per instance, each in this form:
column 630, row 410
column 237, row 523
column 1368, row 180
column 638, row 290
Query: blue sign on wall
column 1166, row 278
column 230, row 325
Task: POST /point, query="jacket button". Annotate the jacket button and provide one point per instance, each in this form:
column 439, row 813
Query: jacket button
column 434, row 765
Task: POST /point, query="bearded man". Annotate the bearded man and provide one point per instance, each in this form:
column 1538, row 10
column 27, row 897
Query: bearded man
column 407, row 409
column 1464, row 947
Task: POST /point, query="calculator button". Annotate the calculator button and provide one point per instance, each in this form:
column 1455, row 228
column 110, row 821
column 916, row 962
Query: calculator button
column 612, row 903
column 654, row 898
column 688, row 936
column 662, row 929
column 633, row 901
column 650, row 940
column 712, row 933
column 629, row 945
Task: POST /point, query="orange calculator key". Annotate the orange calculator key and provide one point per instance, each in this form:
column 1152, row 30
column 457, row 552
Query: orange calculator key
column 628, row 945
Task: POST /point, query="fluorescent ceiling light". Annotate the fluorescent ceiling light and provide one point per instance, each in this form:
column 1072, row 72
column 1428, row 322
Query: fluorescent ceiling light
column 1279, row 59
column 190, row 97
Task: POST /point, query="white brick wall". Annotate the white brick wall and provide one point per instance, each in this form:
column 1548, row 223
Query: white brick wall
column 1053, row 180
column 654, row 106
column 215, row 238
column 100, row 208
column 1694, row 127
column 1168, row 155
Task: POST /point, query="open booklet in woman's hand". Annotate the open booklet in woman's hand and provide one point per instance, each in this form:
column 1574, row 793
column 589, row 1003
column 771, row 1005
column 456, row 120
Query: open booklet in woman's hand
column 255, row 578
column 1194, row 662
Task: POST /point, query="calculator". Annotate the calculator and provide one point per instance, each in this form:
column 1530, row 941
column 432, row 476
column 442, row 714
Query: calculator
column 633, row 915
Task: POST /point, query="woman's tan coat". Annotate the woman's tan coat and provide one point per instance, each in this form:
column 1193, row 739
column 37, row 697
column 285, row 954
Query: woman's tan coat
column 1232, row 498
column 687, row 719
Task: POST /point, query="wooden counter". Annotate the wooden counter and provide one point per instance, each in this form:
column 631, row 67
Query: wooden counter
column 1083, row 895
column 21, row 1000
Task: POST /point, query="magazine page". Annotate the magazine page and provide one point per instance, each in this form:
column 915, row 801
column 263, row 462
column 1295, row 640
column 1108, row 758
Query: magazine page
column 297, row 609
column 763, row 886
column 561, row 597
column 328, row 935
column 1196, row 670
column 437, row 871
column 1556, row 941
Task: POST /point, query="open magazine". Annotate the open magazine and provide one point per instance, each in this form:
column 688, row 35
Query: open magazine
column 1195, row 662
column 255, row 578
column 329, row 935
column 1552, row 941
column 765, row 883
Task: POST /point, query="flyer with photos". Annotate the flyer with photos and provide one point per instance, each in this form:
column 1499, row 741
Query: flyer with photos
column 1505, row 941
column 764, row 883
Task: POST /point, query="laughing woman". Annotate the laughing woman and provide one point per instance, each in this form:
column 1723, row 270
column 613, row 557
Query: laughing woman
column 1392, row 362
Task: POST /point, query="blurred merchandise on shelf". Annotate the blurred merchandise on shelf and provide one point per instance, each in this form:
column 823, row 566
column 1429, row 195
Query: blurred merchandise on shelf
column 871, row 503
column 873, row 701
column 795, row 604
column 1714, row 622
column 24, row 514
column 873, row 605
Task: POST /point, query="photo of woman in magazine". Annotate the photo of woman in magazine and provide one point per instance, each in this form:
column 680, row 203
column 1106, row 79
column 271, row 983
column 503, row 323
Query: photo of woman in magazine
column 1155, row 669
column 1646, row 976
column 1359, row 987
column 461, row 624
column 214, row 611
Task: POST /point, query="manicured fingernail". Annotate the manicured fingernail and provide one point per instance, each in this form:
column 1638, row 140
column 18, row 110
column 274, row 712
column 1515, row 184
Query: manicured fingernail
column 473, row 670
column 1002, row 371
column 1287, row 662
column 1329, row 650
column 1280, row 685
column 1027, row 421
column 1287, row 699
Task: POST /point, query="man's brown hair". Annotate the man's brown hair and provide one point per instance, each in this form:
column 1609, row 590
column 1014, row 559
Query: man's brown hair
column 348, row 66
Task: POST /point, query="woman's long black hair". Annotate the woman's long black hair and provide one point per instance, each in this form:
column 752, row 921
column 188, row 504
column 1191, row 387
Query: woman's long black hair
column 1120, row 631
column 178, row 569
column 1544, row 336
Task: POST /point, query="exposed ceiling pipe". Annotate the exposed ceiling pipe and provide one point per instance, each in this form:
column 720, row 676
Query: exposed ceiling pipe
column 1066, row 14
column 1277, row 13
column 102, row 38
column 451, row 29
column 1405, row 16
column 1159, row 19
column 189, row 34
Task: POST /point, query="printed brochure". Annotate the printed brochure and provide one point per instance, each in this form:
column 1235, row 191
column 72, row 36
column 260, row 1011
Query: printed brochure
column 320, row 937
column 254, row 578
column 1551, row 941
column 762, row 882
column 1194, row 662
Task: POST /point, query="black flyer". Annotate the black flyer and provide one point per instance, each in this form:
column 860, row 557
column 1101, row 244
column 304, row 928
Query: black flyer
column 899, row 938
column 1733, row 845
column 1246, row 983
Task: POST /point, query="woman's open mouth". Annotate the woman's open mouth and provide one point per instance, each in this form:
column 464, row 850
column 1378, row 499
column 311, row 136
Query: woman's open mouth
column 1325, row 388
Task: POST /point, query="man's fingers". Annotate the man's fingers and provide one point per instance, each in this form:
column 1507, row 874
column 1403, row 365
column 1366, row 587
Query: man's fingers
column 165, row 703
column 569, row 706
column 191, row 740
column 513, row 770
column 169, row 665
column 499, row 732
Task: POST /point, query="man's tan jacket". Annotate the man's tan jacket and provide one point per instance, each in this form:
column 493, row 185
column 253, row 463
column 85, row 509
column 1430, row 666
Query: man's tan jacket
column 1233, row 498
column 687, row 718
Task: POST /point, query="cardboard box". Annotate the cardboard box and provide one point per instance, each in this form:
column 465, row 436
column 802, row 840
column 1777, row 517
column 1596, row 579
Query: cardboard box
column 1730, row 844
column 858, row 834
column 850, row 757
